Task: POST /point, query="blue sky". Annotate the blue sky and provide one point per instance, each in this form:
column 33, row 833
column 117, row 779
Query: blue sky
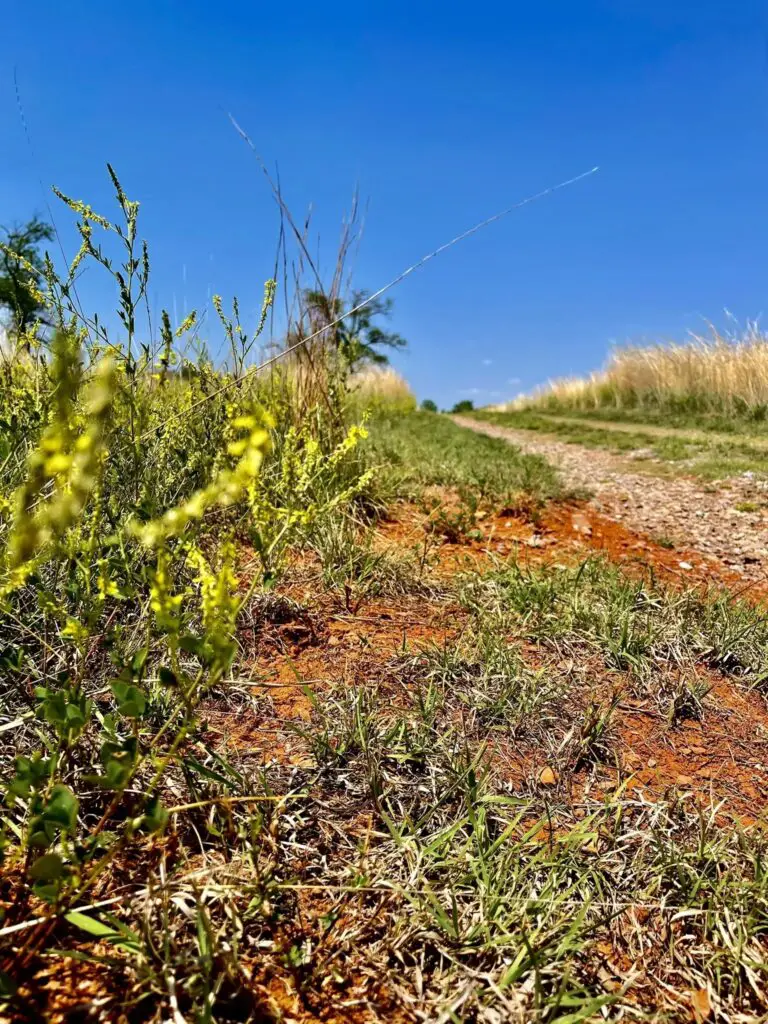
column 443, row 113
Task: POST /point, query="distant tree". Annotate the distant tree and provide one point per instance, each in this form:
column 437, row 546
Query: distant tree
column 465, row 405
column 21, row 271
column 357, row 339
column 428, row 405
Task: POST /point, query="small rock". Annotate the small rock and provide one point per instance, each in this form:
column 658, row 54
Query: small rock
column 652, row 762
column 685, row 565
column 548, row 777
column 684, row 780
column 581, row 524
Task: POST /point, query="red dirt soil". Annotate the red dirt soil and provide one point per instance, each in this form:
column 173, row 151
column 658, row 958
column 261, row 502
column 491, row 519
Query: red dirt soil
column 722, row 759
column 719, row 761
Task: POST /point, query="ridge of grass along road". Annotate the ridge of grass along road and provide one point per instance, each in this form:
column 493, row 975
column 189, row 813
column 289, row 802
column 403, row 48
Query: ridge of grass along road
column 718, row 377
column 678, row 451
column 754, row 426
column 426, row 449
column 658, row 430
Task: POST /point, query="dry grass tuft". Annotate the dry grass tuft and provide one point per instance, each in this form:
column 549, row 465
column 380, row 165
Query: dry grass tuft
column 382, row 388
column 716, row 374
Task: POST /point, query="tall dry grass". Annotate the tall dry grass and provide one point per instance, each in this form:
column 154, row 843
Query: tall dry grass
column 381, row 389
column 718, row 374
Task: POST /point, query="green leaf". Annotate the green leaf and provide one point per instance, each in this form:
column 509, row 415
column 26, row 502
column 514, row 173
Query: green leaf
column 191, row 644
column 38, row 839
column 61, row 808
column 48, row 868
column 206, row 773
column 155, row 816
column 131, row 701
column 298, row 956
column 11, row 658
column 138, row 660
column 48, row 891
column 89, row 925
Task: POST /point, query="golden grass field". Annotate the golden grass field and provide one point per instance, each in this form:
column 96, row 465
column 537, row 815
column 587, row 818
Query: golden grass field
column 716, row 373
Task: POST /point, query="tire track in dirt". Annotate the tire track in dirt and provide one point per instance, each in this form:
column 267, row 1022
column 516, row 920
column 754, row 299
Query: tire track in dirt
column 680, row 510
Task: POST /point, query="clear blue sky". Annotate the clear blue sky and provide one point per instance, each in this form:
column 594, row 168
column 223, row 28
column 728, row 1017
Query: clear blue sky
column 443, row 112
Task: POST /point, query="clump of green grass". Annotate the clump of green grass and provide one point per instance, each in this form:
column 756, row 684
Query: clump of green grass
column 664, row 541
column 354, row 565
column 485, row 672
column 747, row 506
column 634, row 623
column 682, row 697
column 515, row 897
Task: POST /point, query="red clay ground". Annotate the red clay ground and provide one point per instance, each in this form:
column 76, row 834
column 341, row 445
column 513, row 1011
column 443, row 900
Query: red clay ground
column 722, row 759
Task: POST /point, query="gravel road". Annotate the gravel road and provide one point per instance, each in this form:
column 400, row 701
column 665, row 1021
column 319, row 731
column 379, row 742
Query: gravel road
column 684, row 510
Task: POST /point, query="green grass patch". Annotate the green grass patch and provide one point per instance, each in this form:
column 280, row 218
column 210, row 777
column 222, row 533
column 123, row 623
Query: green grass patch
column 517, row 889
column 699, row 456
column 634, row 623
column 424, row 449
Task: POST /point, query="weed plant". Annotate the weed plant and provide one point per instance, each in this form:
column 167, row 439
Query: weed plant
column 131, row 477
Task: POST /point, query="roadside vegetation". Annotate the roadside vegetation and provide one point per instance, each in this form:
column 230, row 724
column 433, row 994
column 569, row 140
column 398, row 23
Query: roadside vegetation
column 716, row 382
column 289, row 734
column 425, row 450
column 699, row 407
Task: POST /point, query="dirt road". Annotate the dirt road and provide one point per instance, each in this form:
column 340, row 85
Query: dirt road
column 680, row 510
column 656, row 430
